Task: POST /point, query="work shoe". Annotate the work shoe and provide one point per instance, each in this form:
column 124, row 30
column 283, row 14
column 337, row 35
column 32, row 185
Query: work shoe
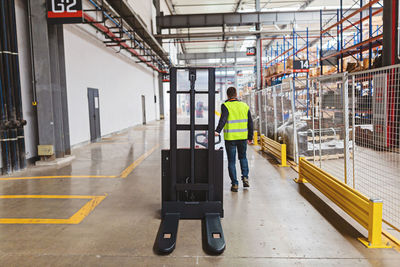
column 245, row 182
column 234, row 188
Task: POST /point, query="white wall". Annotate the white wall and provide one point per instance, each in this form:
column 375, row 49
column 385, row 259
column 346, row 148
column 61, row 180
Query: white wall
column 26, row 79
column 120, row 81
column 89, row 63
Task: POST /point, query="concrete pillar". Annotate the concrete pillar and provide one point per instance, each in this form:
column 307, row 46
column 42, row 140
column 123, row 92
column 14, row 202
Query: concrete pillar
column 56, row 91
column 63, row 87
column 49, row 61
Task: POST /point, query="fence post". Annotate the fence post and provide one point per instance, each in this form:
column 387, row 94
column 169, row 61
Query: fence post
column 265, row 99
column 353, row 137
column 320, row 114
column 313, row 117
column 374, row 226
column 301, row 179
column 293, row 90
column 346, row 145
column 259, row 95
column 275, row 114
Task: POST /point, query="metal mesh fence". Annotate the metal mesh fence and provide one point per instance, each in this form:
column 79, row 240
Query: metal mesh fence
column 270, row 100
column 374, row 97
column 331, row 141
column 346, row 124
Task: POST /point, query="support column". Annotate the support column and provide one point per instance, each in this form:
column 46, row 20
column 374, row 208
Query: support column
column 161, row 95
column 56, row 91
column 157, row 5
column 49, row 77
column 390, row 28
column 63, row 87
column 258, row 50
column 258, row 70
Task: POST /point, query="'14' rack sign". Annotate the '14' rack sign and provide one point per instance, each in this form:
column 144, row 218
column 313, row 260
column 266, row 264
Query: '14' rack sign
column 301, row 66
column 64, row 11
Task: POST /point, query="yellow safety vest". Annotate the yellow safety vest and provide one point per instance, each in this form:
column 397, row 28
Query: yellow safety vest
column 236, row 126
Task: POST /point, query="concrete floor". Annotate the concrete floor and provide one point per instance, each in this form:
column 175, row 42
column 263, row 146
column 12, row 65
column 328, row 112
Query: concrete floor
column 275, row 223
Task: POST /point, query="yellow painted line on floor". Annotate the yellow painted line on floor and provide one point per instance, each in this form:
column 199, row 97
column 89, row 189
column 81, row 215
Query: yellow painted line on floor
column 56, row 177
column 137, row 162
column 78, row 217
column 46, row 196
column 86, row 209
column 123, row 174
column 113, row 143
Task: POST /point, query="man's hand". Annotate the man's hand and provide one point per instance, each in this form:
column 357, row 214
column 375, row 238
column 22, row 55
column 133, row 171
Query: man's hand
column 250, row 142
column 216, row 133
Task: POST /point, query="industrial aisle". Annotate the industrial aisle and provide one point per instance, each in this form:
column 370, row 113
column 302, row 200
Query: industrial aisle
column 113, row 221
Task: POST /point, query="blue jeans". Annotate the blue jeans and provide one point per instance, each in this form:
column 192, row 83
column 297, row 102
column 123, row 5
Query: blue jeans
column 241, row 146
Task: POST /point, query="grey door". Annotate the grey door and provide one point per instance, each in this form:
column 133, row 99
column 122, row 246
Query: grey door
column 94, row 114
column 144, row 109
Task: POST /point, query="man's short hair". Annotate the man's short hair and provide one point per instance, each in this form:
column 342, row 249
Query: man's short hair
column 231, row 92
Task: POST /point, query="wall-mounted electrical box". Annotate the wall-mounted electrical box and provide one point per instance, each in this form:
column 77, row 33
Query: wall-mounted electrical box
column 45, row 150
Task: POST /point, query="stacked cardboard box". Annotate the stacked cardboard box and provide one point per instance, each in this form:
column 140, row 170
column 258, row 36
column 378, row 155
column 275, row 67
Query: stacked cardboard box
column 279, row 68
column 366, row 63
column 314, row 72
column 289, row 63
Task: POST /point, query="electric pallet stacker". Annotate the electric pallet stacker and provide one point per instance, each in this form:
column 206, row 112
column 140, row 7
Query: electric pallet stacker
column 192, row 178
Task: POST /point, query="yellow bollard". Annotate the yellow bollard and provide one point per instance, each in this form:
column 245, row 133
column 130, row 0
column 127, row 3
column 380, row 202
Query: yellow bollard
column 283, row 156
column 255, row 138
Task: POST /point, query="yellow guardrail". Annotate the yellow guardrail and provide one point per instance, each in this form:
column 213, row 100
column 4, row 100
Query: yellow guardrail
column 275, row 148
column 367, row 212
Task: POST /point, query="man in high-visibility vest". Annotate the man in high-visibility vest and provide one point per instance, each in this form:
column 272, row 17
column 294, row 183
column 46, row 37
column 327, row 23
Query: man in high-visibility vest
column 238, row 131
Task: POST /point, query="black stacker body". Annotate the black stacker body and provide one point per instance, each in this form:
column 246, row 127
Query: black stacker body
column 192, row 178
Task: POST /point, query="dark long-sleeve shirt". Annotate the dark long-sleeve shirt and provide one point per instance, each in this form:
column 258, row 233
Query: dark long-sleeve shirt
column 224, row 119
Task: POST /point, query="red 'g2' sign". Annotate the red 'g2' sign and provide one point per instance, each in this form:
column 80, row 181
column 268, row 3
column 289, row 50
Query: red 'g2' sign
column 64, row 11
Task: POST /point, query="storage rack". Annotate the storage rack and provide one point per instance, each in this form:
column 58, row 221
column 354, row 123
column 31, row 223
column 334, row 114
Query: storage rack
column 356, row 46
column 294, row 48
column 332, row 36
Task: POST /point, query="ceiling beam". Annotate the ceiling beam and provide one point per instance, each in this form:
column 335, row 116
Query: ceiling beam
column 246, row 65
column 227, row 34
column 234, row 19
column 195, row 56
column 239, row 19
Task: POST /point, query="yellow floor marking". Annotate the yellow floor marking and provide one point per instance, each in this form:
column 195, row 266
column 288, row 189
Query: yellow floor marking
column 57, row 177
column 131, row 167
column 74, row 219
column 112, row 143
column 123, row 174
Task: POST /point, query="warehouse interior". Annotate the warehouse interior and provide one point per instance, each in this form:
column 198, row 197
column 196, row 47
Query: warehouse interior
column 107, row 108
